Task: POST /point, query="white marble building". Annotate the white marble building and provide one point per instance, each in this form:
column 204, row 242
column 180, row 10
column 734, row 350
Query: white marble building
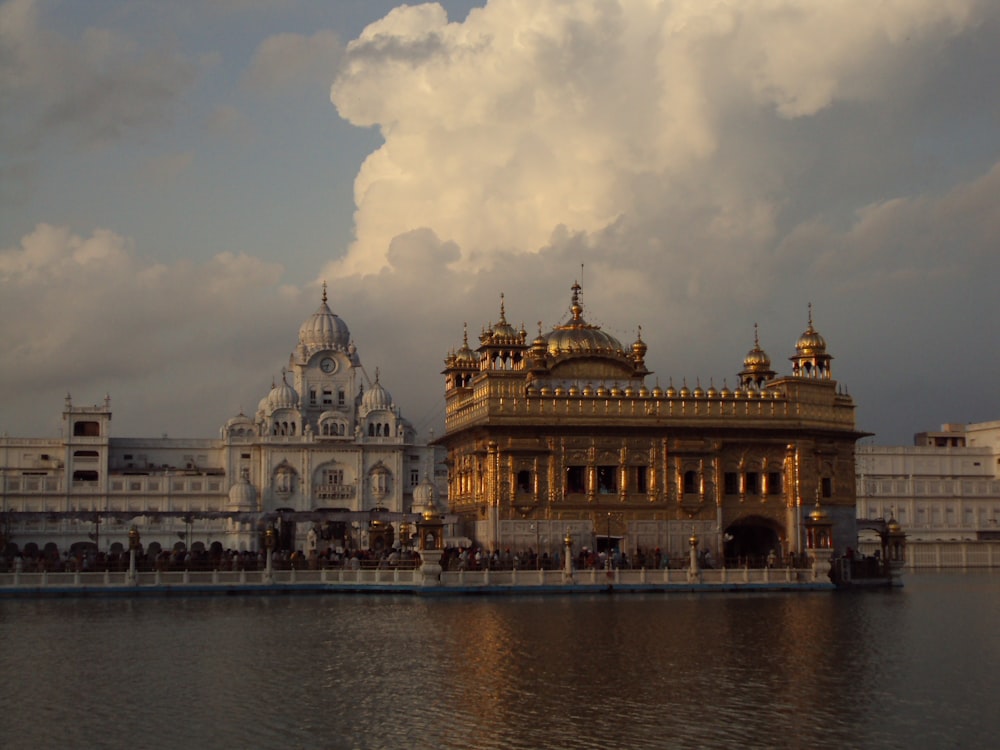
column 326, row 447
column 944, row 488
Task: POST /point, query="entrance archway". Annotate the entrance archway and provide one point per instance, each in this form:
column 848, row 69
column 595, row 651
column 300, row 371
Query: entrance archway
column 750, row 540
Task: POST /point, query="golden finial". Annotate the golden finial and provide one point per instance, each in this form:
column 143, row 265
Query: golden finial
column 810, row 316
column 756, row 340
column 324, row 290
column 575, row 308
column 503, row 318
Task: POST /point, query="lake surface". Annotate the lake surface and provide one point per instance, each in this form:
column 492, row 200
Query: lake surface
column 911, row 668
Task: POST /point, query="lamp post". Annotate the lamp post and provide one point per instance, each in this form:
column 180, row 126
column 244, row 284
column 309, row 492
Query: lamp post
column 608, row 544
column 133, row 551
column 269, row 546
column 568, row 557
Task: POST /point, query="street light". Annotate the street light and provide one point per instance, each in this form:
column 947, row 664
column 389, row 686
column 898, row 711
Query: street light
column 608, row 543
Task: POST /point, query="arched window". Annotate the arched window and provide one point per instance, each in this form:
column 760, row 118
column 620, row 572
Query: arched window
column 371, row 430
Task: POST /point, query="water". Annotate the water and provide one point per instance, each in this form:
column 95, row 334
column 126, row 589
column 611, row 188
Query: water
column 907, row 669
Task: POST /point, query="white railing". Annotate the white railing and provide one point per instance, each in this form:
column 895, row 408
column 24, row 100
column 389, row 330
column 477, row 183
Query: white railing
column 936, row 555
column 334, row 578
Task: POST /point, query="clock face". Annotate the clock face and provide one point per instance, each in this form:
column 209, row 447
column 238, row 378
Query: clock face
column 327, row 365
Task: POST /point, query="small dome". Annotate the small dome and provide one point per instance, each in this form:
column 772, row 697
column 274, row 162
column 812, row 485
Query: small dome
column 810, row 342
column 756, row 359
column 639, row 347
column 503, row 332
column 324, row 330
column 424, row 496
column 240, row 420
column 282, row 396
column 465, row 355
column 376, row 397
column 242, row 494
column 818, row 514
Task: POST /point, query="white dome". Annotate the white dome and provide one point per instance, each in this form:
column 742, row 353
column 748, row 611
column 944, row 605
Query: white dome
column 282, row 396
column 424, row 496
column 324, row 330
column 242, row 495
column 376, row 397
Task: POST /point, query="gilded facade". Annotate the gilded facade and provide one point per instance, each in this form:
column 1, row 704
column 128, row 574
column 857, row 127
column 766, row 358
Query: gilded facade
column 562, row 433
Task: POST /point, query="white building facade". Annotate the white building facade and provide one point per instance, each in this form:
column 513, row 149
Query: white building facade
column 327, row 449
column 944, row 488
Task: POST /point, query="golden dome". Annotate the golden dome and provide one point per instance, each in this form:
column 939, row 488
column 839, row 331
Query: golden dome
column 810, row 342
column 503, row 332
column 580, row 337
column 818, row 514
column 756, row 359
column 465, row 355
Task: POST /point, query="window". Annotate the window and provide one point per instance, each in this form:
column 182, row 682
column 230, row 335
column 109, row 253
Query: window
column 753, row 483
column 690, row 482
column 333, row 476
column 775, row 485
column 327, row 397
column 826, row 487
column 312, row 396
column 414, row 477
column 576, row 480
column 731, row 483
column 87, row 429
column 340, row 397
column 640, row 479
column 524, row 481
column 607, row 481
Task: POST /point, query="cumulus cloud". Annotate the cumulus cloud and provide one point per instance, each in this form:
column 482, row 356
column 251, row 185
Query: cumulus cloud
column 526, row 117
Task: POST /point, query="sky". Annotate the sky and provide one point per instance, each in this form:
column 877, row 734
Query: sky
column 178, row 179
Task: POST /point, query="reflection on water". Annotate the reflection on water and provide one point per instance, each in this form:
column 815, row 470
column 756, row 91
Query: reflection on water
column 910, row 668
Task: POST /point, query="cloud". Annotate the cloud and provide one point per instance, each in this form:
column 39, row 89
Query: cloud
column 525, row 118
column 103, row 317
column 93, row 89
column 286, row 61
